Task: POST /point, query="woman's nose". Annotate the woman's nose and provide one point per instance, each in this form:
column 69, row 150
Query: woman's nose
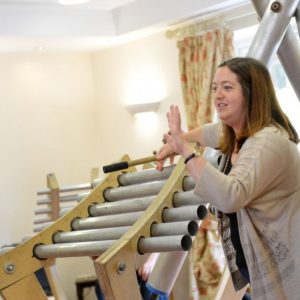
column 218, row 93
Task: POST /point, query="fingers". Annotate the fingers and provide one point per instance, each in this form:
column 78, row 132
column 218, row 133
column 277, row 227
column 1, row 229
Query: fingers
column 174, row 119
column 161, row 155
column 172, row 159
column 170, row 118
column 145, row 275
column 178, row 118
column 144, row 272
column 160, row 165
column 167, row 138
column 170, row 139
column 163, row 152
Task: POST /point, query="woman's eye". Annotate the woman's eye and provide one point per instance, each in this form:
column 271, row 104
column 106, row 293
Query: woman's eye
column 227, row 87
column 214, row 89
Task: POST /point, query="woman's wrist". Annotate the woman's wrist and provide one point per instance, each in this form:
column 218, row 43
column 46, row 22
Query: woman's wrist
column 188, row 153
column 190, row 157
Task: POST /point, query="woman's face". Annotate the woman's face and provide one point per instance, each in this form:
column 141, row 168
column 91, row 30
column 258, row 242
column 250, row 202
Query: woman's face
column 229, row 100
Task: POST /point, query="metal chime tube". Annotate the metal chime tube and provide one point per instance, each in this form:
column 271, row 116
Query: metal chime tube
column 164, row 244
column 47, row 219
column 27, row 237
column 5, row 249
column 193, row 212
column 64, row 210
column 106, row 221
column 72, row 249
column 66, row 198
column 75, row 187
column 186, row 198
column 71, row 188
column 42, row 220
column 188, row 183
column 128, row 192
column 163, row 229
column 73, row 197
column 42, row 210
column 145, row 176
column 90, row 235
column 174, row 228
column 165, row 266
column 48, row 210
column 185, row 213
column 145, row 245
column 40, row 227
column 119, row 207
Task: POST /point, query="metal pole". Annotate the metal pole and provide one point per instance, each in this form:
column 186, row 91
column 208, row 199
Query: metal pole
column 288, row 52
column 271, row 29
column 297, row 17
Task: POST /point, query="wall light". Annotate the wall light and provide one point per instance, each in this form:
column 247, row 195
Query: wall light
column 142, row 107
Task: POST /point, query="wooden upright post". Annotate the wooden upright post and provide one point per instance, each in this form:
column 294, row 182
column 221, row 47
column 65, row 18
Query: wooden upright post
column 54, row 196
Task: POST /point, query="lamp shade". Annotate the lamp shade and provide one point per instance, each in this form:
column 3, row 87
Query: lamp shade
column 142, row 107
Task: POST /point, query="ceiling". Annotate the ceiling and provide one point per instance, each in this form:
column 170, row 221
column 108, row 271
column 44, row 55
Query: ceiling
column 27, row 25
column 92, row 4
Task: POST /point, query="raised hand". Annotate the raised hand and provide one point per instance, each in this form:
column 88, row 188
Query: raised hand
column 175, row 137
column 173, row 140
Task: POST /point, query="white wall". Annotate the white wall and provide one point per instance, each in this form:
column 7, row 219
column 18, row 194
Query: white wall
column 47, row 124
column 121, row 76
column 65, row 113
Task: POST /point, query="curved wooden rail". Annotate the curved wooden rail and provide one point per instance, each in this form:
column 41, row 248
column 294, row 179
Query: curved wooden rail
column 114, row 268
column 17, row 279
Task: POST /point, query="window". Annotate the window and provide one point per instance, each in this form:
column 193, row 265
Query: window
column 284, row 90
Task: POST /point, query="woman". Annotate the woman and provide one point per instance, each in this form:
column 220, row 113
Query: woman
column 257, row 194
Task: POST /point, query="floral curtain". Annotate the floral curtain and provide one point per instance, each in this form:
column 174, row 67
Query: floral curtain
column 199, row 57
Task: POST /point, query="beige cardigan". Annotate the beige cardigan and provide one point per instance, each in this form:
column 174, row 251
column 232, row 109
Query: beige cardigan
column 263, row 187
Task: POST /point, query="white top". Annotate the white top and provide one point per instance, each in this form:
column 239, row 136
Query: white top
column 263, row 187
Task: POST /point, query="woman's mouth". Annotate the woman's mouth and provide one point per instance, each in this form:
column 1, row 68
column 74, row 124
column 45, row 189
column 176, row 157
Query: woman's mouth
column 221, row 104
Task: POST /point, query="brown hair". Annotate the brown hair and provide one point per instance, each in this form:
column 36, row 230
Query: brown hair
column 262, row 105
